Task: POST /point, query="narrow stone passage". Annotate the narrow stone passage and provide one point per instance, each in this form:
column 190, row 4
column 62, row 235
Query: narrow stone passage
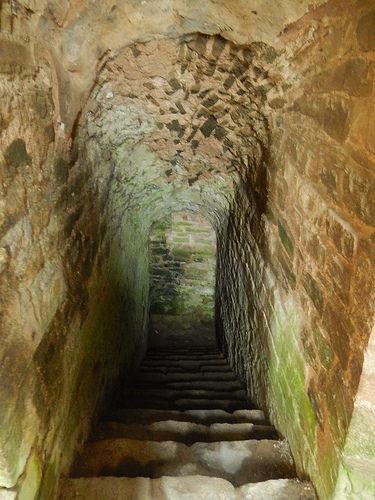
column 185, row 430
column 170, row 169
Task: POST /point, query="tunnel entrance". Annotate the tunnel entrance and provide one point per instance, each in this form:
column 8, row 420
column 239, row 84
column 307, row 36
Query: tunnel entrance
column 182, row 251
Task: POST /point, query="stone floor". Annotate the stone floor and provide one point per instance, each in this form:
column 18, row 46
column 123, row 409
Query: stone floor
column 186, row 430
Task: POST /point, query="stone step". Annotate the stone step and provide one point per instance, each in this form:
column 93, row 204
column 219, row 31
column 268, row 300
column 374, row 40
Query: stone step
column 206, row 417
column 229, row 405
column 179, row 369
column 188, row 356
column 187, row 487
column 193, row 364
column 184, row 357
column 177, row 348
column 183, row 377
column 184, row 432
column 208, row 385
column 174, row 395
column 237, row 461
column 200, row 368
column 187, row 351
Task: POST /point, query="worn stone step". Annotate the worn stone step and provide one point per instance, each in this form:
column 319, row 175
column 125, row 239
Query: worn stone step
column 184, row 432
column 182, row 363
column 184, row 357
column 188, row 487
column 188, row 367
column 177, row 347
column 184, row 351
column 207, row 417
column 237, row 461
column 209, row 385
column 178, row 369
column 187, row 356
column 173, row 395
column 188, row 404
column 183, row 377
column 200, row 368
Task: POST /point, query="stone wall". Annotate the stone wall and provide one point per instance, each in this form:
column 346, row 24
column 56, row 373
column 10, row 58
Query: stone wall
column 356, row 472
column 183, row 261
column 303, row 309
column 30, row 264
column 74, row 288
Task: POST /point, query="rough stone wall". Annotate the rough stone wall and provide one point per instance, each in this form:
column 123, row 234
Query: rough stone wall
column 183, row 261
column 356, row 472
column 66, row 284
column 64, row 294
column 306, row 251
column 27, row 235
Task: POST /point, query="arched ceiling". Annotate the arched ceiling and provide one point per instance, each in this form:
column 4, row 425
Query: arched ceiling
column 78, row 34
column 180, row 122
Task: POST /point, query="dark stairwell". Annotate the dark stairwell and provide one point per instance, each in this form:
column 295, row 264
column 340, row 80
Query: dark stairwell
column 185, row 426
column 184, row 429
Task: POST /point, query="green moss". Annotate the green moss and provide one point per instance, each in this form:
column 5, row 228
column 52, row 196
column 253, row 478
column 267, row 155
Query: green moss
column 50, row 480
column 355, row 481
column 15, row 448
column 291, row 405
column 286, row 239
column 32, row 479
column 361, row 436
column 182, row 253
column 61, row 170
column 313, row 291
column 324, row 349
column 16, row 154
column 183, row 280
column 326, row 476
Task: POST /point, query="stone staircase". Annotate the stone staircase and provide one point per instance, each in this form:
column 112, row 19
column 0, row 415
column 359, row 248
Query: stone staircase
column 185, row 431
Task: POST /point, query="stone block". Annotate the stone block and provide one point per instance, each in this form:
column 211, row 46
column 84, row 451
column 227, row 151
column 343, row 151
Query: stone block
column 315, row 247
column 342, row 234
column 366, row 32
column 330, row 112
column 14, row 55
column 16, row 155
column 329, row 176
column 352, row 76
column 358, row 188
column 209, row 126
column 287, row 268
column 339, row 274
column 218, row 46
column 199, row 45
column 61, row 170
column 6, row 494
column 323, row 348
column 313, row 291
column 338, row 328
column 286, row 238
column 339, row 405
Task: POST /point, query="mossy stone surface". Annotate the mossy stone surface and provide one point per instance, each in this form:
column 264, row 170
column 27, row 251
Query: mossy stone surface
column 183, row 260
column 292, row 408
column 32, row 479
column 16, row 154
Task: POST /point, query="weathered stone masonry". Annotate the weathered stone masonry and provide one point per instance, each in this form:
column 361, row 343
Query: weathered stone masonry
column 183, row 266
column 114, row 115
column 305, row 253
